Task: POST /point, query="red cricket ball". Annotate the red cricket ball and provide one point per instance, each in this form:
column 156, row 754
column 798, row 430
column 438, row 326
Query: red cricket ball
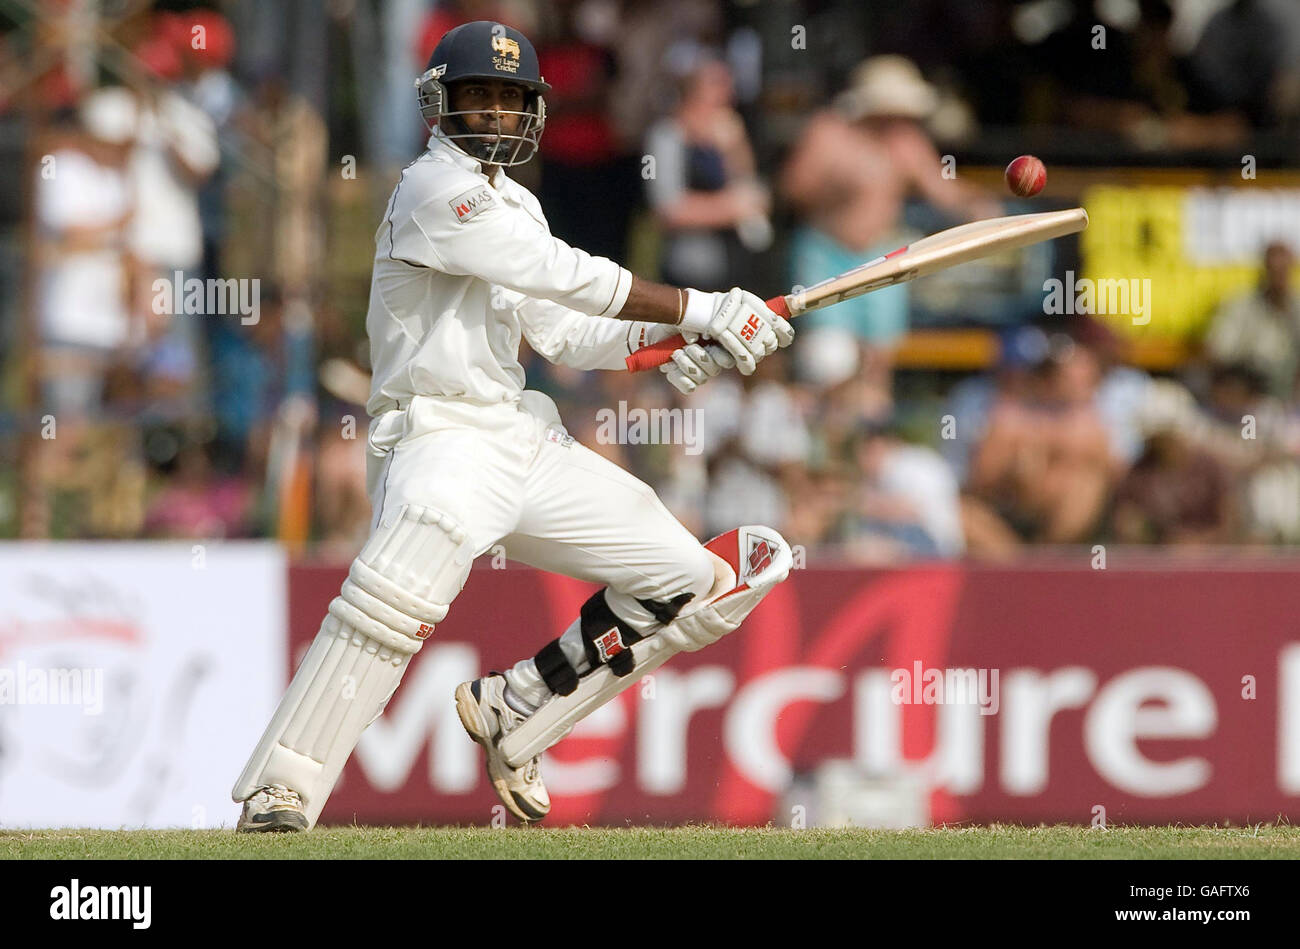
column 1026, row 176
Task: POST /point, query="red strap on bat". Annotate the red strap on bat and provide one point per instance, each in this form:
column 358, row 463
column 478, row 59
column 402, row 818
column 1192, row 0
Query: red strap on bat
column 657, row 354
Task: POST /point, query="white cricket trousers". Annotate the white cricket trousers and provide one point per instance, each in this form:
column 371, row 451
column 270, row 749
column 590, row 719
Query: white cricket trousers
column 510, row 474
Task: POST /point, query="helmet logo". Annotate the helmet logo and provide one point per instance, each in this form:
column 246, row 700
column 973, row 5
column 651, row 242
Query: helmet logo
column 507, row 54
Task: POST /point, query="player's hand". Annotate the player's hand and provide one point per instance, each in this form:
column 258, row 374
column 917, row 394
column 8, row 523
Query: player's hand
column 696, row 363
column 740, row 321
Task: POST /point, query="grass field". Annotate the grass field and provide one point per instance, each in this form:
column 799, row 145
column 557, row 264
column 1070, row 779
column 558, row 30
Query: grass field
column 698, row 842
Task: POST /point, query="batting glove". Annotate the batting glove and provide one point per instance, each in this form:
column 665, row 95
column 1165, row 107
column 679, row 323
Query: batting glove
column 696, row 363
column 740, row 322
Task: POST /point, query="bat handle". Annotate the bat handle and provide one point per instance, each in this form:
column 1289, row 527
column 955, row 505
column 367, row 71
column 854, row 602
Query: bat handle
column 656, row 354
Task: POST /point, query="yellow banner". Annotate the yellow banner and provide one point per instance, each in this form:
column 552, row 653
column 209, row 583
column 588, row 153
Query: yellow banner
column 1196, row 246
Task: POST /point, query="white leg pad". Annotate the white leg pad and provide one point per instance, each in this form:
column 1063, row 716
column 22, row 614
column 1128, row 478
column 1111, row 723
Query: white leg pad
column 748, row 562
column 397, row 589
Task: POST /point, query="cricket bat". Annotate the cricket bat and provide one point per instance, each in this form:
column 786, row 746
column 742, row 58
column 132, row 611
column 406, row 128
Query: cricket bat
column 948, row 248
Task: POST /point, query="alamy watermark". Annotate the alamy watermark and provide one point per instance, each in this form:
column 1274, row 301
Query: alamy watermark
column 133, row 904
column 174, row 296
column 1115, row 297
column 675, row 426
column 922, row 686
column 21, row 685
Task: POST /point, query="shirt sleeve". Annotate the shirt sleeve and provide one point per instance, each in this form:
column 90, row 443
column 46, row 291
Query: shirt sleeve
column 570, row 338
column 470, row 230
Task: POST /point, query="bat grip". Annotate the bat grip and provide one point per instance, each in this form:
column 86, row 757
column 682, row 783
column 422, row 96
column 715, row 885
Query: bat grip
column 656, row 354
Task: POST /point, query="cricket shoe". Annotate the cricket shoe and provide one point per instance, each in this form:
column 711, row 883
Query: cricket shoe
column 273, row 809
column 488, row 718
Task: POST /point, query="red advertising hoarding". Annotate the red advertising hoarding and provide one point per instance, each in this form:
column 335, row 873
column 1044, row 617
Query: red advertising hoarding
column 1163, row 695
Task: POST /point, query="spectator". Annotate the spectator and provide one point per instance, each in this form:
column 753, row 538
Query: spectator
column 1044, row 471
column 83, row 206
column 1136, row 84
column 774, row 431
column 245, row 369
column 646, row 33
column 1248, row 434
column 1270, row 503
column 906, row 503
column 209, row 85
column 739, row 489
column 848, row 176
column 1121, row 391
column 1261, row 329
column 843, row 408
column 1248, row 60
column 703, row 187
column 822, row 493
column 584, row 164
column 756, row 439
column 294, row 136
column 1239, row 424
column 342, row 507
column 1175, row 493
column 1021, row 349
column 174, row 150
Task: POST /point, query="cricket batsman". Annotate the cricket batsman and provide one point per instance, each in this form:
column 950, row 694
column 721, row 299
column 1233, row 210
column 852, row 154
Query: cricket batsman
column 461, row 456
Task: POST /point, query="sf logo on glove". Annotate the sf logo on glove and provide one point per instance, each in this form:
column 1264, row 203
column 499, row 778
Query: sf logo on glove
column 609, row 644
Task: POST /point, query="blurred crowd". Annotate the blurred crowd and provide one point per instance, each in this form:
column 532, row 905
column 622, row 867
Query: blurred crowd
column 1061, row 443
column 706, row 143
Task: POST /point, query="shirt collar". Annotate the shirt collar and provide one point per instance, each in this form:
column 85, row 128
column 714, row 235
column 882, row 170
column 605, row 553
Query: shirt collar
column 439, row 140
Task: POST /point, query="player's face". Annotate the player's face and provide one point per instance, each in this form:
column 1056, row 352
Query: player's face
column 481, row 97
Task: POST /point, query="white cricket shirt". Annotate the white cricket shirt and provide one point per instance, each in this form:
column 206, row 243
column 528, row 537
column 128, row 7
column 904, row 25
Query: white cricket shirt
column 463, row 267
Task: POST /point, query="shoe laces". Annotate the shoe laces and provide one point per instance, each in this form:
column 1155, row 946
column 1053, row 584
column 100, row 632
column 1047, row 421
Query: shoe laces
column 279, row 794
column 530, row 771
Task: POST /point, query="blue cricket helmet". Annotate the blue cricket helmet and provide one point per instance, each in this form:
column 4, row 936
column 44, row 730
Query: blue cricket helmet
column 485, row 50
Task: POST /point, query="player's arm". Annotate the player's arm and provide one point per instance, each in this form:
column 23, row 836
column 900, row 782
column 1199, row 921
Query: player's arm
column 651, row 302
column 916, row 155
column 473, row 231
column 804, row 181
column 569, row 338
column 720, row 331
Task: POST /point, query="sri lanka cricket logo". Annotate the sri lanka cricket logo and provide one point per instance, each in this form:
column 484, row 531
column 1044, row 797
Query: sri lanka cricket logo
column 506, row 54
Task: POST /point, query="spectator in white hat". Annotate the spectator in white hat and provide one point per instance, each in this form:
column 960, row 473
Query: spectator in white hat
column 853, row 168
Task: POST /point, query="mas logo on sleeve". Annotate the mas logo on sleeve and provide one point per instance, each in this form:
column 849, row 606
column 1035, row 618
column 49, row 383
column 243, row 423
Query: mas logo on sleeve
column 473, row 201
